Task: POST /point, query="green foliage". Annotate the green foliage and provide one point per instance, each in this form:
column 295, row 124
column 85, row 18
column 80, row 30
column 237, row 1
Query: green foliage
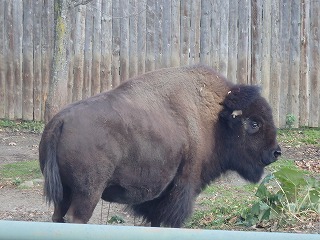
column 28, row 126
column 290, row 120
column 287, row 193
column 116, row 220
column 20, row 171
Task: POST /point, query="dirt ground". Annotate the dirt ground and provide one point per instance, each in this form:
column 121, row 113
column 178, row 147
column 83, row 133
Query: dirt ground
column 28, row 204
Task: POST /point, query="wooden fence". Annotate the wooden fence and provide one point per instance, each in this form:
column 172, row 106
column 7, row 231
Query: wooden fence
column 273, row 43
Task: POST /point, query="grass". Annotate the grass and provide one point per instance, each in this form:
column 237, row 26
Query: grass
column 27, row 126
column 300, row 136
column 19, row 172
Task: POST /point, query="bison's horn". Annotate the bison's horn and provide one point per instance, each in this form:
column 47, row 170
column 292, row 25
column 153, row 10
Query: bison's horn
column 236, row 113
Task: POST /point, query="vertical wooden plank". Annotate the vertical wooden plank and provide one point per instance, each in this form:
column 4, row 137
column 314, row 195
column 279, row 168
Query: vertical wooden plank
column 205, row 34
column 275, row 68
column 150, row 16
column 9, row 94
column 124, row 40
column 314, row 64
column 285, row 7
column 224, row 32
column 96, row 48
column 37, row 85
column 133, row 41
column 215, row 29
column 233, row 41
column 195, row 32
column 106, row 46
column 294, row 64
column 266, row 49
column 243, row 42
column 78, row 52
column 46, row 49
column 87, row 68
column 115, row 67
column 185, row 30
column 17, row 57
column 256, row 41
column 158, row 33
column 304, row 63
column 166, row 34
column 27, row 46
column 142, row 36
column 2, row 62
column 175, row 33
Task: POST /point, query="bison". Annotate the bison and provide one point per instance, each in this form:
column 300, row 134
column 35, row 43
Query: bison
column 154, row 143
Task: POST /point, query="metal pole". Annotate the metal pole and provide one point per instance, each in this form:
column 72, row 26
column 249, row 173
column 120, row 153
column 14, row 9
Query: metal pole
column 46, row 230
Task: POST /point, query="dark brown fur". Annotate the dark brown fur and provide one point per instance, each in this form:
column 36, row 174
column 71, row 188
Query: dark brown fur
column 154, row 143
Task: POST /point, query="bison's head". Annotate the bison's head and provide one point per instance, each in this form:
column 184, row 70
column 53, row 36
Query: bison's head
column 246, row 133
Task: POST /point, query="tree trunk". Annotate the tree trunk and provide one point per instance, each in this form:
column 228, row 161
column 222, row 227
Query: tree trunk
column 57, row 95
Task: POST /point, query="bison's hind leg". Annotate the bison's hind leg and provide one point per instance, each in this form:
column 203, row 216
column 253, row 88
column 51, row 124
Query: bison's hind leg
column 82, row 206
column 172, row 208
column 61, row 208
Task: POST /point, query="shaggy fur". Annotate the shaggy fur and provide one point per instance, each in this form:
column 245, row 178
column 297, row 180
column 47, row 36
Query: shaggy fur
column 154, row 143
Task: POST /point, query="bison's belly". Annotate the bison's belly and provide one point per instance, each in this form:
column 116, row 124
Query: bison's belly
column 131, row 194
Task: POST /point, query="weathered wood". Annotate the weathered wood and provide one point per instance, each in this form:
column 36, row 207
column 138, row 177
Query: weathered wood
column 142, row 36
column 266, row 48
column 294, row 64
column 9, row 75
column 58, row 84
column 115, row 67
column 87, row 68
column 233, row 41
column 243, row 42
column 133, row 41
column 158, row 34
column 78, row 52
column 205, row 34
column 285, row 6
column 275, row 55
column 106, row 46
column 223, row 9
column 175, row 33
column 215, row 34
column 166, row 34
column 195, row 32
column 269, row 43
column 96, row 48
column 17, row 57
column 314, row 64
column 184, row 34
column 124, row 40
column 304, row 63
column 256, row 41
column 2, row 62
column 37, row 73
column 150, row 16
column 46, row 49
column 27, row 45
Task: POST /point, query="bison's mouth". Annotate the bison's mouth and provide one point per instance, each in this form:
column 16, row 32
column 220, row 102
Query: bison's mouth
column 269, row 157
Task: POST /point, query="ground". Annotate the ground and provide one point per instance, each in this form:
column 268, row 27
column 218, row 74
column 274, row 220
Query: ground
column 28, row 204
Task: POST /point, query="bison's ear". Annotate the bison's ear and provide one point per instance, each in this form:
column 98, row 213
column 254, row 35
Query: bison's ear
column 240, row 97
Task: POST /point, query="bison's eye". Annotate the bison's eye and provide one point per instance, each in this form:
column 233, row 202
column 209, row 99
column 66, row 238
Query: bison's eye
column 251, row 126
column 254, row 125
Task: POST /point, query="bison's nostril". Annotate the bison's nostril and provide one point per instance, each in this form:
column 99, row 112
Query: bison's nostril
column 277, row 153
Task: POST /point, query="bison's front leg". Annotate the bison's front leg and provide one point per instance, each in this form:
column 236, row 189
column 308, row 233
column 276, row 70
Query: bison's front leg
column 172, row 208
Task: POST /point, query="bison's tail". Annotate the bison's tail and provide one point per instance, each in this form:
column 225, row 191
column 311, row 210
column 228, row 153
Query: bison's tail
column 53, row 188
